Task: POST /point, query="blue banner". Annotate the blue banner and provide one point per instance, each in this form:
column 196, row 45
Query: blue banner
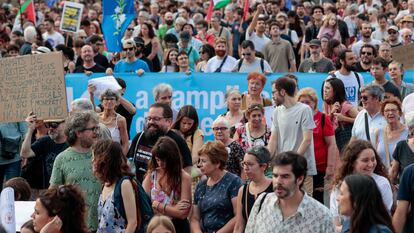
column 204, row 91
column 117, row 15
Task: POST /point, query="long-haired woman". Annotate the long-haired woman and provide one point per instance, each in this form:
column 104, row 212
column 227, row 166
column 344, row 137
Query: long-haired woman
column 170, row 61
column 168, row 185
column 151, row 45
column 330, row 28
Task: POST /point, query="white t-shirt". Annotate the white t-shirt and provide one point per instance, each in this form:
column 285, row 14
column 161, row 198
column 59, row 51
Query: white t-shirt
column 259, row 42
column 215, row 63
column 54, row 39
column 356, row 47
column 408, row 106
column 351, row 86
column 253, row 67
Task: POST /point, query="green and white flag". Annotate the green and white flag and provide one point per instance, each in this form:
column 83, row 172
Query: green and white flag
column 220, row 3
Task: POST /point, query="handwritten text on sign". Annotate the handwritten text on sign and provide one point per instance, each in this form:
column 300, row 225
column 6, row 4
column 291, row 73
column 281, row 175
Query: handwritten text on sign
column 32, row 83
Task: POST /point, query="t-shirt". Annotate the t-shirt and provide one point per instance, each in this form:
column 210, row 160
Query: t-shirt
column 75, row 168
column 98, row 59
column 125, row 67
column 95, row 69
column 391, row 89
column 253, row 67
column 351, row 86
column 259, row 42
column 359, row 69
column 214, row 63
column 289, row 124
column 53, row 39
column 214, row 202
column 324, row 65
column 356, row 47
column 141, row 147
column 321, row 149
column 45, row 149
column 406, row 193
column 403, row 155
column 408, row 106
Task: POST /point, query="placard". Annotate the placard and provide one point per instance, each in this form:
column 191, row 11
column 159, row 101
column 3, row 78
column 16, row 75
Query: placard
column 71, row 17
column 32, row 83
column 404, row 55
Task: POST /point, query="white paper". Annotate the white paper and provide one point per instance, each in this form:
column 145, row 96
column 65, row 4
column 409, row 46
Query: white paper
column 104, row 83
column 269, row 115
column 7, row 210
column 24, row 211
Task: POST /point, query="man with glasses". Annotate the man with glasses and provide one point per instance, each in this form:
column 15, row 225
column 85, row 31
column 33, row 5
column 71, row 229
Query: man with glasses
column 42, row 152
column 131, row 64
column 316, row 63
column 367, row 54
column 394, row 36
column 163, row 93
column 369, row 119
column 378, row 70
column 74, row 165
column 366, row 32
column 249, row 62
column 157, row 124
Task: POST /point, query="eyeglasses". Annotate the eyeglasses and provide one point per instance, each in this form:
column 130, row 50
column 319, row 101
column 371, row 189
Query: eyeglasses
column 109, row 99
column 364, row 97
column 94, row 129
column 220, row 128
column 392, row 32
column 246, row 54
column 130, row 49
column 366, row 53
column 53, row 125
column 156, row 119
column 407, row 35
column 391, row 110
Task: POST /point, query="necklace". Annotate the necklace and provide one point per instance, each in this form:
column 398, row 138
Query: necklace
column 107, row 122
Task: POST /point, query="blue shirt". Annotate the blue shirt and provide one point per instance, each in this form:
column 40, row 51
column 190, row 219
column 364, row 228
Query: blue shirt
column 125, row 67
column 378, row 228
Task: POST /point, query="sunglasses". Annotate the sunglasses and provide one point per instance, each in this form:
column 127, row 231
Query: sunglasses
column 366, row 53
column 246, row 54
column 202, row 52
column 130, row 29
column 364, row 97
column 53, row 125
column 392, row 32
column 130, row 49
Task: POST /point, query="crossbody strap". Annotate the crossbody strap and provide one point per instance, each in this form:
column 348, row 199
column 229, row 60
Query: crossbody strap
column 387, row 148
column 367, row 127
column 221, row 65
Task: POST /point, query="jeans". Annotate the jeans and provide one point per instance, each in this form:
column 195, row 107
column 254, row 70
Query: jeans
column 8, row 171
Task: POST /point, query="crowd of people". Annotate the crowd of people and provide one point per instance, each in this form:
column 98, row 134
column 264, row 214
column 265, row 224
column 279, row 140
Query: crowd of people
column 345, row 167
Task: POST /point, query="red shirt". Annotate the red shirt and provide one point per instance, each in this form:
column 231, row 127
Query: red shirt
column 320, row 147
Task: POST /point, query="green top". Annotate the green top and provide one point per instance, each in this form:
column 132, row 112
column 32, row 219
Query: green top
column 71, row 167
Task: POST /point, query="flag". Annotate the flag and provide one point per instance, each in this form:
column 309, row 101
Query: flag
column 50, row 3
column 246, row 10
column 218, row 4
column 117, row 15
column 28, row 8
column 210, row 11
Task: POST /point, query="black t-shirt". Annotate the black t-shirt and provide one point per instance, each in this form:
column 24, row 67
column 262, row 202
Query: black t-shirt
column 343, row 31
column 46, row 150
column 403, row 155
column 359, row 69
column 95, row 69
column 406, row 193
column 141, row 148
column 391, row 88
column 98, row 59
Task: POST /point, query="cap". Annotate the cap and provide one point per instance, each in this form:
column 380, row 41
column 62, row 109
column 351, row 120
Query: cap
column 185, row 36
column 407, row 18
column 315, row 42
column 393, row 27
column 54, row 120
column 41, row 50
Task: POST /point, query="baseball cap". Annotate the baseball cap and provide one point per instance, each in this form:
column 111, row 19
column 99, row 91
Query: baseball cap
column 393, row 27
column 315, row 42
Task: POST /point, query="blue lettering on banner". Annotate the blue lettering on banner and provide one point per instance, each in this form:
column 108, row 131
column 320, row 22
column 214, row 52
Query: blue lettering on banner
column 206, row 92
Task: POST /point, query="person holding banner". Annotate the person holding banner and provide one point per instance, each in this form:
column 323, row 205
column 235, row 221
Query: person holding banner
column 131, row 64
column 89, row 66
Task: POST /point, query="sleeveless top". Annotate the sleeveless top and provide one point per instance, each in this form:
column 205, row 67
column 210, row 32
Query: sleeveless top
column 247, row 207
column 115, row 133
column 109, row 218
column 161, row 196
column 156, row 64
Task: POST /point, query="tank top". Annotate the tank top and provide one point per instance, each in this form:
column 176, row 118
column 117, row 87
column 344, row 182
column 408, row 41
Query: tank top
column 159, row 195
column 115, row 133
column 109, row 219
column 251, row 199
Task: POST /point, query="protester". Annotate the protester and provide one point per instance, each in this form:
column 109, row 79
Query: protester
column 316, row 62
column 110, row 168
column 255, row 163
column 234, row 114
column 206, row 52
column 212, row 211
column 163, row 94
column 22, row 190
column 170, row 61
column 168, row 185
column 255, row 85
column 403, row 219
column 27, row 227
column 151, row 45
column 378, row 71
column 223, row 61
column 360, row 199
column 249, row 62
column 160, row 224
column 131, row 64
column 396, row 72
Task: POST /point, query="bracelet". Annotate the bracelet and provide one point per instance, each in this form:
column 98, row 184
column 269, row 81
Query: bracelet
column 165, row 207
column 158, row 205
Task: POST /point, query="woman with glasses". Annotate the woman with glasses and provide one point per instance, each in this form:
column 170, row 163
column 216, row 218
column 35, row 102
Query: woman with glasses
column 234, row 114
column 110, row 118
column 324, row 144
column 170, row 61
column 168, row 185
column 111, row 169
column 215, row 199
column 60, row 209
column 361, row 201
column 387, row 138
column 254, row 132
column 255, row 163
column 221, row 130
column 340, row 111
column 255, row 84
column 206, row 52
column 360, row 157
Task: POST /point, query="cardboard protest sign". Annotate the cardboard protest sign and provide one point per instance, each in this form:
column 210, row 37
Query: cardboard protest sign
column 71, row 17
column 404, row 55
column 32, row 83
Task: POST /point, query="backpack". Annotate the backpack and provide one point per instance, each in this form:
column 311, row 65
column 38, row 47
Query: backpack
column 241, row 63
column 357, row 78
column 142, row 200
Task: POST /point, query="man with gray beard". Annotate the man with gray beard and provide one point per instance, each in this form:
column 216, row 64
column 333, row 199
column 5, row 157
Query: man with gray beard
column 157, row 124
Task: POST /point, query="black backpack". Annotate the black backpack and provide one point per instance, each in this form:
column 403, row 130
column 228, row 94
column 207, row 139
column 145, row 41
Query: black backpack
column 241, row 63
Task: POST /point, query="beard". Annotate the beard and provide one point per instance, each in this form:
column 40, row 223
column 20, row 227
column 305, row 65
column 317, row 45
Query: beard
column 153, row 132
column 350, row 67
column 220, row 53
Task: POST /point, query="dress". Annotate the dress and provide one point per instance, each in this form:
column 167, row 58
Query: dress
column 156, row 65
column 109, row 218
column 181, row 225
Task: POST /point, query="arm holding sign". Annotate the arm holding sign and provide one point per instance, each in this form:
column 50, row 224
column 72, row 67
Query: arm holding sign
column 91, row 90
column 26, row 150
